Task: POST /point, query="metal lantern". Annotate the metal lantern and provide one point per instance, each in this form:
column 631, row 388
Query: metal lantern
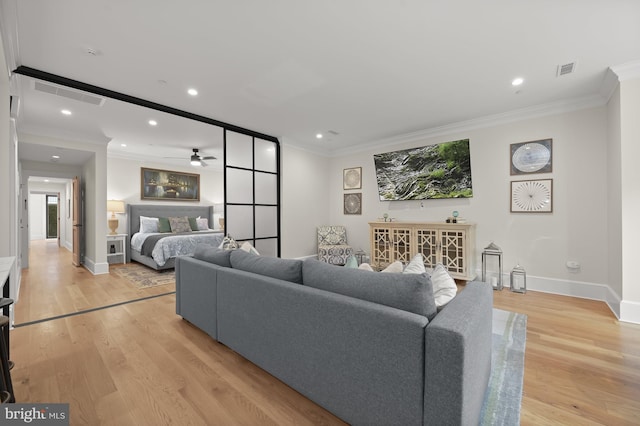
column 518, row 279
column 492, row 266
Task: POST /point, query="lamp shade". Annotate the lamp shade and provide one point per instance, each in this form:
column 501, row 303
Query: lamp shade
column 115, row 206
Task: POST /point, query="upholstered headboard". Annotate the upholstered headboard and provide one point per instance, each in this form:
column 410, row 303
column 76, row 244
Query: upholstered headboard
column 134, row 211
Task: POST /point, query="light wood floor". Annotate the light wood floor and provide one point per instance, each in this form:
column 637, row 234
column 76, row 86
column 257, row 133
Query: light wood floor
column 140, row 364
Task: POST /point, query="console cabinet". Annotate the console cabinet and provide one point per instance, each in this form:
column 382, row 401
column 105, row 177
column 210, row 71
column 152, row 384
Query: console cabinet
column 452, row 244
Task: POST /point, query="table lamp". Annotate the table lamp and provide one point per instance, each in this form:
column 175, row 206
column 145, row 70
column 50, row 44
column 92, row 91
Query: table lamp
column 114, row 206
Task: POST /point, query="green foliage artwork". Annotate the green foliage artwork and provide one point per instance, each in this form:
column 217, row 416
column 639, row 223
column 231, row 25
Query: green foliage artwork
column 434, row 171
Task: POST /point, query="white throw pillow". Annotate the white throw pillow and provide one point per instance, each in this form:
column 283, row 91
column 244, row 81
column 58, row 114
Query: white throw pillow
column 203, row 223
column 246, row 246
column 148, row 224
column 444, row 287
column 365, row 267
column 416, row 266
column 395, row 267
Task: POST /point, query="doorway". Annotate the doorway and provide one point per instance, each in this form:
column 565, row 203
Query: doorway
column 52, row 217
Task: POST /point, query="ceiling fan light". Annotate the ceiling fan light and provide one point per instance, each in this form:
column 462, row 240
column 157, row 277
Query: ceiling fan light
column 195, row 160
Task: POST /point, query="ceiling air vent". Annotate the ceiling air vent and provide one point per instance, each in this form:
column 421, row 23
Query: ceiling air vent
column 68, row 93
column 333, row 132
column 566, row 69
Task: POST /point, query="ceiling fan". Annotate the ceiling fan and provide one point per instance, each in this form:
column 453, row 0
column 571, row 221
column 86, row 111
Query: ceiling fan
column 198, row 160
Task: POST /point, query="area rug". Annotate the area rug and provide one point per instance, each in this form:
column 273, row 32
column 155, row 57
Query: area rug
column 144, row 277
column 504, row 395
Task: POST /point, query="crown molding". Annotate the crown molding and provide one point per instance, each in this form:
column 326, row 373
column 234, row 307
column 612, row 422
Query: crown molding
column 627, row 71
column 536, row 111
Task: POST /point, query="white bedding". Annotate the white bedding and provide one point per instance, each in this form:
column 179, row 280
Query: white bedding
column 175, row 245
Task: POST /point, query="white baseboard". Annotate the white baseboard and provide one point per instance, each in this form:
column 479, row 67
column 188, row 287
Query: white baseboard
column 630, row 312
column 95, row 268
column 581, row 289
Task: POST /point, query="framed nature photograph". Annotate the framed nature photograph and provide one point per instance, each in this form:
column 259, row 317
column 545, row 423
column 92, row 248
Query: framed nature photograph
column 156, row 184
column 532, row 196
column 531, row 157
column 352, row 178
column 353, row 203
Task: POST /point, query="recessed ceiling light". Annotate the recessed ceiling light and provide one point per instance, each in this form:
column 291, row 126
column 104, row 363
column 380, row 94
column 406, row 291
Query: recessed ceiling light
column 55, row 156
column 124, row 145
column 192, row 92
column 517, row 81
column 319, row 135
column 46, row 180
column 65, row 112
column 153, row 123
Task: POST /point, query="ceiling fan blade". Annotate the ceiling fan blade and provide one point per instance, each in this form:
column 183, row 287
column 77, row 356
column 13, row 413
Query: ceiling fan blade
column 203, row 163
column 209, row 157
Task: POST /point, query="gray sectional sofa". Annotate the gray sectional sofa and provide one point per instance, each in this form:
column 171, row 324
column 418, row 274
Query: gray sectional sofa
column 367, row 346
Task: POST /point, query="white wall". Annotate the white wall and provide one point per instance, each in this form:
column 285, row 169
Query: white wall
column 37, row 217
column 123, row 183
column 541, row 243
column 304, row 200
column 37, row 210
column 614, row 194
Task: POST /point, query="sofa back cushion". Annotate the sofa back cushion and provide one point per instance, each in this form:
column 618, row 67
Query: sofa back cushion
column 283, row 269
column 212, row 254
column 409, row 292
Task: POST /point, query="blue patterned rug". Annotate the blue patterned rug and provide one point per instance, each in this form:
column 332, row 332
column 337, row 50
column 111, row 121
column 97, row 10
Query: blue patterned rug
column 504, row 395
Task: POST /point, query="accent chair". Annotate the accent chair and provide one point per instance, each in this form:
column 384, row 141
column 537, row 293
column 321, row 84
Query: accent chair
column 332, row 245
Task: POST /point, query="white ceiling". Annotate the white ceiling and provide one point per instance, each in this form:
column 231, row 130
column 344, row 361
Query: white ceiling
column 368, row 70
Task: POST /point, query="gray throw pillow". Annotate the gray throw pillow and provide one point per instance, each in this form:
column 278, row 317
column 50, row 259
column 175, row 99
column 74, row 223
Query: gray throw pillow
column 409, row 292
column 283, row 269
column 212, row 254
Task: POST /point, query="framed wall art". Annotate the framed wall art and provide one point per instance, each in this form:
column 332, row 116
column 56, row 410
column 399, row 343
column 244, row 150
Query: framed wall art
column 532, row 196
column 353, row 203
column 531, row 157
column 352, row 178
column 156, row 184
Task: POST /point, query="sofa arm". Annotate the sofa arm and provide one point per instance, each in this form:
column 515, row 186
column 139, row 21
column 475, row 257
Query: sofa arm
column 458, row 358
column 196, row 293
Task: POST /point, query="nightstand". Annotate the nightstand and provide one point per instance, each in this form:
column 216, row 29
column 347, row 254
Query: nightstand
column 117, row 248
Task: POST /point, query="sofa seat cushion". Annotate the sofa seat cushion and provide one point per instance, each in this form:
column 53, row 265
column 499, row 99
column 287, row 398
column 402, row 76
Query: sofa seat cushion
column 409, row 292
column 283, row 269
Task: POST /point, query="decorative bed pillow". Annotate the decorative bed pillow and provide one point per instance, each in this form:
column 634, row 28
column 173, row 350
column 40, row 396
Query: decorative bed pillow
column 444, row 287
column 193, row 224
column 148, row 224
column 179, row 224
column 203, row 223
column 163, row 224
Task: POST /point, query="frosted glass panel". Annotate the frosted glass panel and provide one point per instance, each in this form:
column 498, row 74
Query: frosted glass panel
column 266, row 188
column 267, row 247
column 239, row 186
column 239, row 150
column 239, row 222
column 266, row 221
column 265, row 155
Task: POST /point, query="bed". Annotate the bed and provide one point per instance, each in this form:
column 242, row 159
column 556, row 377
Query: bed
column 162, row 255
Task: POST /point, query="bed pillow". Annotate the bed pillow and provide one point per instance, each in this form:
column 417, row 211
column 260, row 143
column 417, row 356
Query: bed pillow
column 179, row 224
column 203, row 223
column 163, row 224
column 148, row 225
column 193, row 224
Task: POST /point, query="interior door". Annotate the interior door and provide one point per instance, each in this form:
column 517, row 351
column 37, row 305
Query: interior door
column 76, row 220
column 58, row 213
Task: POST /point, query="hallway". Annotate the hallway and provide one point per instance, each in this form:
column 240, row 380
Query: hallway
column 52, row 286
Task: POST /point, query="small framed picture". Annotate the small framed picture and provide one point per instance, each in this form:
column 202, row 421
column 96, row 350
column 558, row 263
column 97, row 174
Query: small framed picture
column 353, row 203
column 532, row 196
column 352, row 178
column 531, row 157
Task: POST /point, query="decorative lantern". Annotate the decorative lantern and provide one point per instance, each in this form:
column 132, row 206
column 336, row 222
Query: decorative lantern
column 492, row 266
column 518, row 279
